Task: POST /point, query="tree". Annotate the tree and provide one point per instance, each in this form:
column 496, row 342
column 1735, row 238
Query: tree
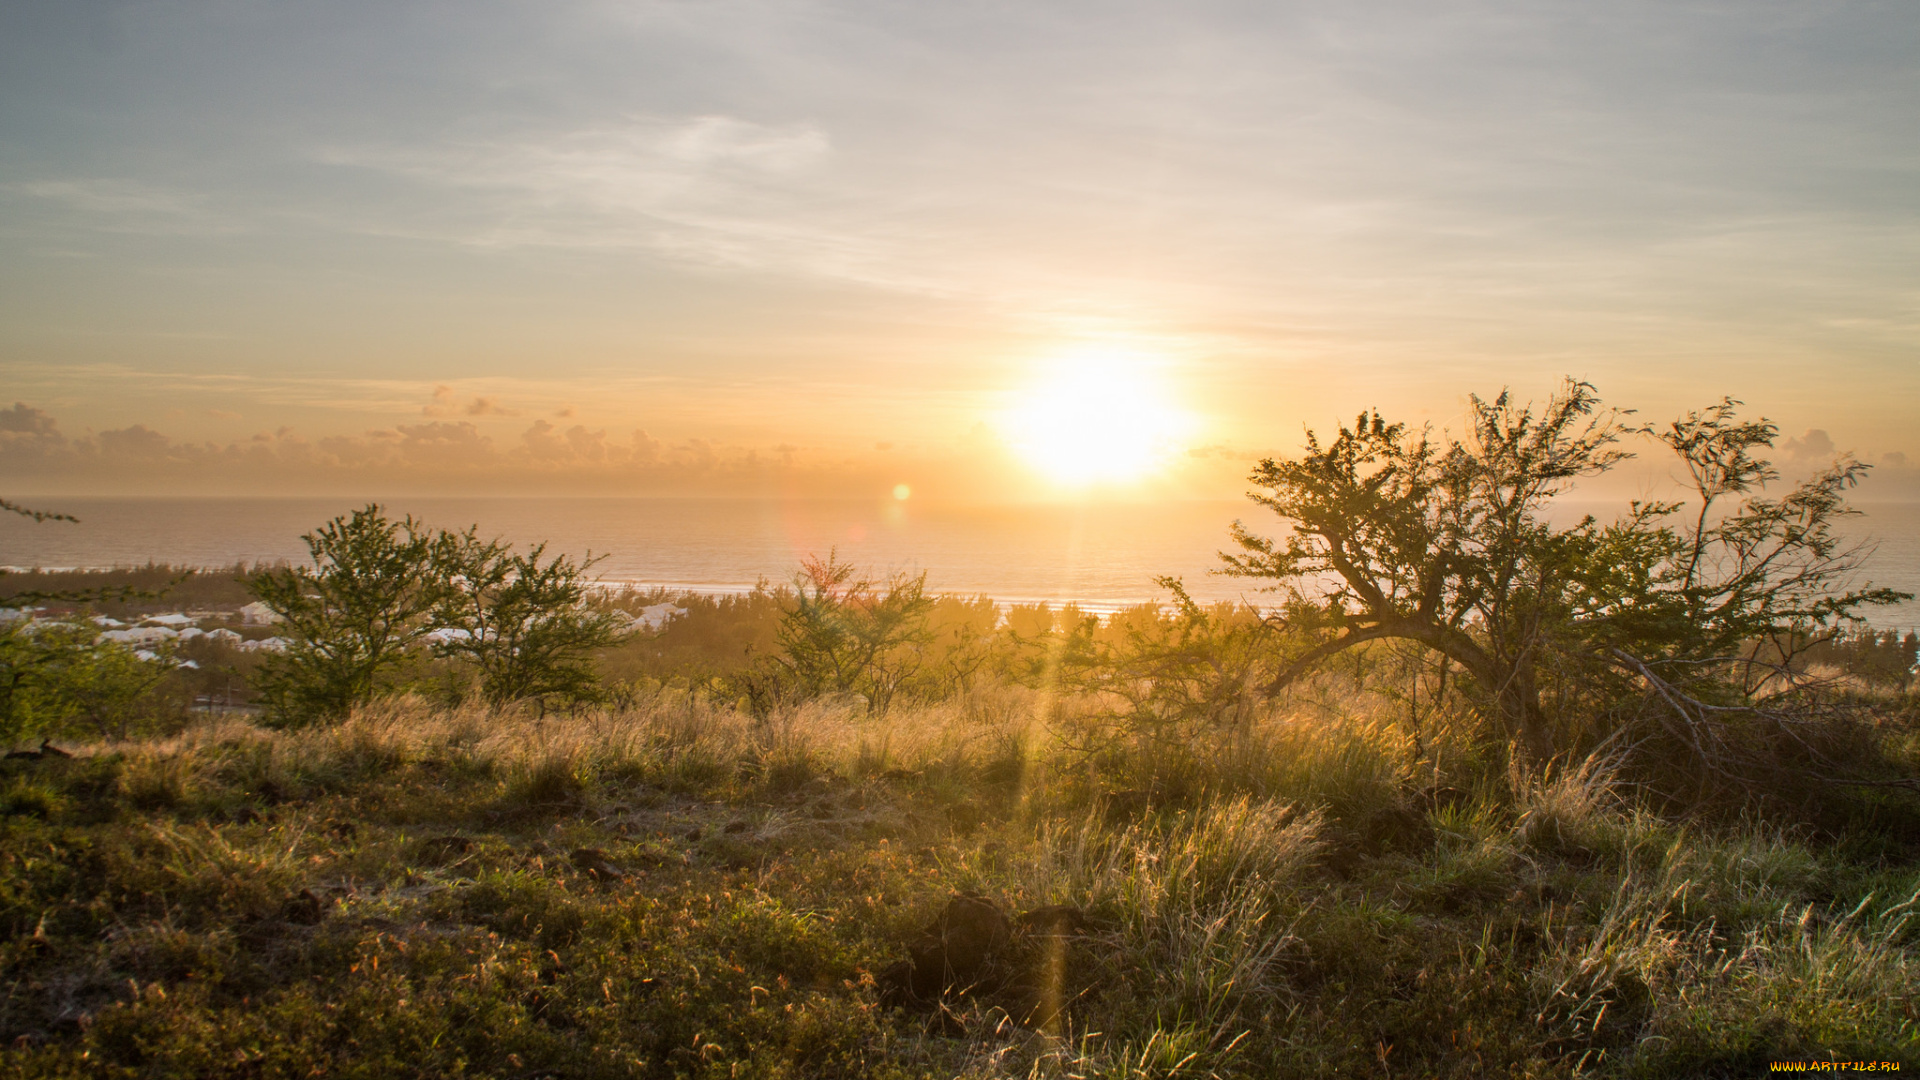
column 354, row 613
column 1398, row 535
column 34, row 659
column 527, row 626
column 51, row 672
column 848, row 633
column 57, row 678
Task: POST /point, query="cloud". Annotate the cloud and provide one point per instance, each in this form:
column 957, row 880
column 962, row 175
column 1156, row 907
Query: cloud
column 445, row 403
column 29, row 438
column 1815, row 444
column 455, row 446
column 23, row 419
column 437, row 455
column 136, row 443
column 106, row 204
column 642, row 182
column 442, row 403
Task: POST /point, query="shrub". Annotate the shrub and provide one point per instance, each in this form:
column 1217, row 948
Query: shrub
column 368, row 596
column 525, row 625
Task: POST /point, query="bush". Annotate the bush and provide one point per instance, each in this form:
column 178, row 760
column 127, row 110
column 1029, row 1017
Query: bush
column 55, row 680
column 525, row 625
column 846, row 633
column 354, row 613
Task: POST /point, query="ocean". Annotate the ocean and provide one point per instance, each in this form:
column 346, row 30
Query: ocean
column 1101, row 554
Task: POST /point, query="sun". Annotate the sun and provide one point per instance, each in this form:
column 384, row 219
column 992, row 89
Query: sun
column 1095, row 418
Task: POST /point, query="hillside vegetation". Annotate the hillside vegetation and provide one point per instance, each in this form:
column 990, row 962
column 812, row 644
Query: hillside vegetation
column 680, row 889
column 1472, row 795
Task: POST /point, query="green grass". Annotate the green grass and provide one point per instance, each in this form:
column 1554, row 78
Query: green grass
column 411, row 894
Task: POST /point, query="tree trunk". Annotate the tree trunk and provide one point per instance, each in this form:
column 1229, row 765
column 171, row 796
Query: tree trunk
column 1525, row 720
column 1514, row 690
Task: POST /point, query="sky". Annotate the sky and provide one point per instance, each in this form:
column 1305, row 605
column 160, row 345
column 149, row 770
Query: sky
column 984, row 250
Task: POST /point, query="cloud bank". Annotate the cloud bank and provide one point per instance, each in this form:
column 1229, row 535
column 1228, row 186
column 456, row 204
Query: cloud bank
column 434, row 456
column 552, row 456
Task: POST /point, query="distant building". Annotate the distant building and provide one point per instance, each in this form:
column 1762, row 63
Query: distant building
column 258, row 614
column 139, row 635
column 657, row 616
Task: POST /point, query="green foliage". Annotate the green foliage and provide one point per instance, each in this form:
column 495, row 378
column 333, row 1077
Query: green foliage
column 57, row 680
column 1878, row 658
column 111, row 693
column 526, row 626
column 1446, row 543
column 354, row 613
column 1045, row 646
column 846, row 633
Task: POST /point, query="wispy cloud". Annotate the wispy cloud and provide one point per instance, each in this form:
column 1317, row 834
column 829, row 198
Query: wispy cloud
column 710, row 189
column 109, row 204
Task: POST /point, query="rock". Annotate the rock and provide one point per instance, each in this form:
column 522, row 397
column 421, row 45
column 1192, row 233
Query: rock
column 896, row 983
column 951, row 955
column 303, row 909
column 594, row 861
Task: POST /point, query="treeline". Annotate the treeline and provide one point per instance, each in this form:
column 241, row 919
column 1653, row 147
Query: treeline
column 131, row 592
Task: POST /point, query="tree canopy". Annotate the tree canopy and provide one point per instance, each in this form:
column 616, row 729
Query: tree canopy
column 1397, row 533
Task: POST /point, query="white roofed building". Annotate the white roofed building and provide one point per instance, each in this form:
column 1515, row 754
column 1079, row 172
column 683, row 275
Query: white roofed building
column 258, row 614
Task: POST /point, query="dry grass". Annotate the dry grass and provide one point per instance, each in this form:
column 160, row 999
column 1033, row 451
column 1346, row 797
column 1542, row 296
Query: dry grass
column 406, row 893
